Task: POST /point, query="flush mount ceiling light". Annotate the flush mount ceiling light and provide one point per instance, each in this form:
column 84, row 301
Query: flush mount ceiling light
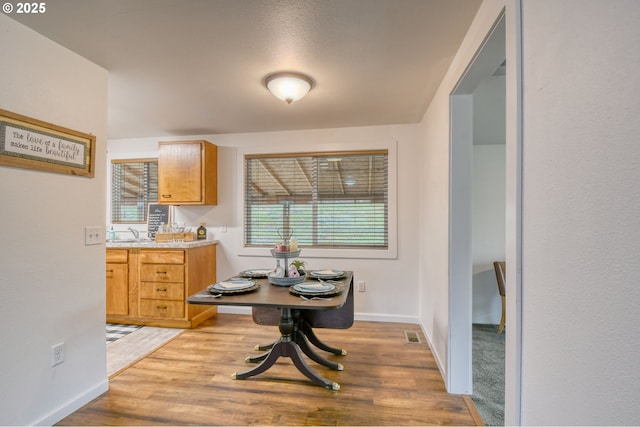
column 289, row 87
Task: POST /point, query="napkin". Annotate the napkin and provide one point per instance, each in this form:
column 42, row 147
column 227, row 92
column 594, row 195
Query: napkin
column 231, row 285
column 324, row 272
column 312, row 286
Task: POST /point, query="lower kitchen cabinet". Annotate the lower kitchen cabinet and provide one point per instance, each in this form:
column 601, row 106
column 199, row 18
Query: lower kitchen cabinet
column 158, row 282
column 117, row 282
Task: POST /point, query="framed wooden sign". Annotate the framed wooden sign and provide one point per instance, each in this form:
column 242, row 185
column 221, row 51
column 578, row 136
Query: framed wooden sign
column 33, row 144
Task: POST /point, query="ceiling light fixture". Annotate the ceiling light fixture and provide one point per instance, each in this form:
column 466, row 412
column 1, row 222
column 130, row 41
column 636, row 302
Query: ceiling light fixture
column 290, row 87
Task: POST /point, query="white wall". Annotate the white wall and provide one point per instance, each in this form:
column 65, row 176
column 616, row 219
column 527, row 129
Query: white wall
column 488, row 229
column 581, row 205
column 488, row 223
column 392, row 284
column 51, row 284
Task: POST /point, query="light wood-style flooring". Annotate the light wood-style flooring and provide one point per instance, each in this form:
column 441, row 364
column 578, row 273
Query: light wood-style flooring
column 136, row 345
column 386, row 381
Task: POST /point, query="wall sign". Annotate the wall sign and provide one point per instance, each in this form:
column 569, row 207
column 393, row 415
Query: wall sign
column 33, row 144
column 156, row 216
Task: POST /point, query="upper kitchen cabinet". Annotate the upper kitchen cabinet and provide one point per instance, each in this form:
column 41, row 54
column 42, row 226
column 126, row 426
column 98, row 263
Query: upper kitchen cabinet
column 187, row 173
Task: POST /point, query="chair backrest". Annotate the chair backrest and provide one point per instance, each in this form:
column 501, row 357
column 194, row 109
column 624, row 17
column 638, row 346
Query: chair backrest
column 500, row 268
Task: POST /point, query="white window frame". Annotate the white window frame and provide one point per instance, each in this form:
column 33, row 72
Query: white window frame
column 391, row 252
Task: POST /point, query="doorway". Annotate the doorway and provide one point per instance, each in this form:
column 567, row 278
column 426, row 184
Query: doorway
column 489, row 59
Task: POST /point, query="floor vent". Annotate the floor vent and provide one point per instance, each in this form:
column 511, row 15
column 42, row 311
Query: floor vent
column 412, row 337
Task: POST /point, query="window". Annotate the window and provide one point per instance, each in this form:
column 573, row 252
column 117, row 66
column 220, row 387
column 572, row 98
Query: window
column 134, row 184
column 328, row 200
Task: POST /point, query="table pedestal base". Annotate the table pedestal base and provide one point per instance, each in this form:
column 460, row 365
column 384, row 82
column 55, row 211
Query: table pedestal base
column 307, row 331
column 289, row 346
column 303, row 335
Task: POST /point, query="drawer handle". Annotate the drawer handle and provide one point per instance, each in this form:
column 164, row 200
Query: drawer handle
column 161, row 272
column 161, row 307
column 166, row 196
column 161, row 289
column 109, row 271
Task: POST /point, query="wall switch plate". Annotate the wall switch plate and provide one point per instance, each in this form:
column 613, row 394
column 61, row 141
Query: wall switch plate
column 93, row 235
column 57, row 354
column 362, row 286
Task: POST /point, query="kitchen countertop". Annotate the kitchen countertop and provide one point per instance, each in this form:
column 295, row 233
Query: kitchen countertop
column 154, row 244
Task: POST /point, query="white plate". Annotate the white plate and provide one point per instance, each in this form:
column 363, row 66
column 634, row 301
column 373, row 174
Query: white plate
column 314, row 288
column 324, row 274
column 233, row 285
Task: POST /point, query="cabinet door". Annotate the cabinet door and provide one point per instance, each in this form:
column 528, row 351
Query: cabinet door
column 117, row 289
column 180, row 173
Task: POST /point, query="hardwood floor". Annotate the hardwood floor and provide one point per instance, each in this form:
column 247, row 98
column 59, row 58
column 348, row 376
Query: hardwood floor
column 385, row 381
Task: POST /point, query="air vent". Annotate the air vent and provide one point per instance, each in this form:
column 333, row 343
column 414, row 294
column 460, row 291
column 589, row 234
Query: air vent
column 412, row 337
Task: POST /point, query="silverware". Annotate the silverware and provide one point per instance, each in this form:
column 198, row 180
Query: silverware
column 315, row 298
column 207, row 296
column 331, row 282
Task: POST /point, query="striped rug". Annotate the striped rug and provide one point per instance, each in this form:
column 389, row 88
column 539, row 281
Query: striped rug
column 116, row 331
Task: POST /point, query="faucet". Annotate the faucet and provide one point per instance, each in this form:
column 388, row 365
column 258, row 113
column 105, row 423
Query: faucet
column 135, row 232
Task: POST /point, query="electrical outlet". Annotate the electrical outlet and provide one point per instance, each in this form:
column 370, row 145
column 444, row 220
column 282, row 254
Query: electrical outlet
column 57, row 354
column 92, row 235
column 362, row 287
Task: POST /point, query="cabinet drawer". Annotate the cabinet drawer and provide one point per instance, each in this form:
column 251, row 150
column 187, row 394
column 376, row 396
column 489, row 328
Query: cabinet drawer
column 162, row 257
column 162, row 273
column 164, row 291
column 117, row 255
column 161, row 308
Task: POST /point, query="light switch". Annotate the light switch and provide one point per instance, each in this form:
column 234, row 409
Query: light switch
column 93, row 235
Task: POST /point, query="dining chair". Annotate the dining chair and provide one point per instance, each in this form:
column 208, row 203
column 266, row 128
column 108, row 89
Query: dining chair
column 500, row 268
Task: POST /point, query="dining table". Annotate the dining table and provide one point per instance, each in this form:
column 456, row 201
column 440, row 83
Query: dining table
column 296, row 313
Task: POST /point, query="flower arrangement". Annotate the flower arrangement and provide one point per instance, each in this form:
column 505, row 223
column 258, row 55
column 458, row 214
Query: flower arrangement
column 299, row 265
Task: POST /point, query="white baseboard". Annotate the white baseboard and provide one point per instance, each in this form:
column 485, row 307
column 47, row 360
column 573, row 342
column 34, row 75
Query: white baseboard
column 436, row 356
column 232, row 309
column 367, row 317
column 73, row 405
column 391, row 318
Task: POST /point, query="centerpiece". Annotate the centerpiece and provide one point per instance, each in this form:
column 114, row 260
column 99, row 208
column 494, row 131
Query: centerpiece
column 285, row 250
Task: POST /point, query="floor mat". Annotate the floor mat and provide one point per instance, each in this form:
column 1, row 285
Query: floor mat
column 116, row 331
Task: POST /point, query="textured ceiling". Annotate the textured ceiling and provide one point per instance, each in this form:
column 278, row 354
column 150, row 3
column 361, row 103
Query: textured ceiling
column 194, row 67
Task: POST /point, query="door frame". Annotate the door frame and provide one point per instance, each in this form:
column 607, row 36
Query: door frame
column 503, row 40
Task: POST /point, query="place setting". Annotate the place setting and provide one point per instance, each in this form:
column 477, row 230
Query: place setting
column 256, row 273
column 327, row 274
column 230, row 287
column 325, row 287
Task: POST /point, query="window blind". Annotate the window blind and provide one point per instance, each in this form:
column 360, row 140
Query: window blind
column 326, row 200
column 134, row 184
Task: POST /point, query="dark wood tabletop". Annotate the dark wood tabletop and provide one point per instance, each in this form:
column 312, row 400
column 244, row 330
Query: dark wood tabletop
column 269, row 295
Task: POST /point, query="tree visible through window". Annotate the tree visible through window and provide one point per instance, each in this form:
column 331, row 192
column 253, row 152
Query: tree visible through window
column 330, row 200
column 134, row 184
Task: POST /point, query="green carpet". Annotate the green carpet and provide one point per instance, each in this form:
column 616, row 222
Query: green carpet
column 488, row 373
